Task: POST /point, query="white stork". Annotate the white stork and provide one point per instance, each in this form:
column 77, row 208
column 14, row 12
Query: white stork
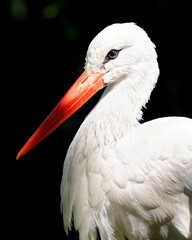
column 123, row 179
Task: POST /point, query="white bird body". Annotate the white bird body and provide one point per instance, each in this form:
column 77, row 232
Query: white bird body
column 123, row 178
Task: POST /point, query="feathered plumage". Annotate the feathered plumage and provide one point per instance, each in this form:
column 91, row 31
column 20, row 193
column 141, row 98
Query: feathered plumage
column 121, row 178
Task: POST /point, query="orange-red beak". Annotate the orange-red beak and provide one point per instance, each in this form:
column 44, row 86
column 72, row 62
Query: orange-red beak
column 81, row 91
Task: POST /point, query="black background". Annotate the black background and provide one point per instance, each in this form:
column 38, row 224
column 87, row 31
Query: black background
column 43, row 57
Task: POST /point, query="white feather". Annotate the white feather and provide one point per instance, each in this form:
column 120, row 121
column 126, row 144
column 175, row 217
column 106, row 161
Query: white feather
column 120, row 177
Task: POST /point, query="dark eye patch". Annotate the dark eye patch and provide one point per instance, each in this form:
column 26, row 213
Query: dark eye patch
column 112, row 54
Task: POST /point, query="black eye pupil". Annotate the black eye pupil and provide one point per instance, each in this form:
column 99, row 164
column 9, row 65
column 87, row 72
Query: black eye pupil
column 112, row 54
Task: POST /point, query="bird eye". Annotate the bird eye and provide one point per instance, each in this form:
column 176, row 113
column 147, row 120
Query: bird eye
column 112, row 54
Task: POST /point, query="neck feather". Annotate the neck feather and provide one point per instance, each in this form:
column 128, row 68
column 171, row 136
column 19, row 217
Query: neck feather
column 120, row 107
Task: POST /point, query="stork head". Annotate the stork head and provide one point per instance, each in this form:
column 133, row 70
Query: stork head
column 122, row 50
column 118, row 52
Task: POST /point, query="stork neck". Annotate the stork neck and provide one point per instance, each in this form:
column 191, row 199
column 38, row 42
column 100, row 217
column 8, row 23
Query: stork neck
column 113, row 116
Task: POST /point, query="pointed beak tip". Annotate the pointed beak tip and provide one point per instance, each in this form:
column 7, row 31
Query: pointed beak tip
column 81, row 91
column 21, row 153
column 18, row 156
